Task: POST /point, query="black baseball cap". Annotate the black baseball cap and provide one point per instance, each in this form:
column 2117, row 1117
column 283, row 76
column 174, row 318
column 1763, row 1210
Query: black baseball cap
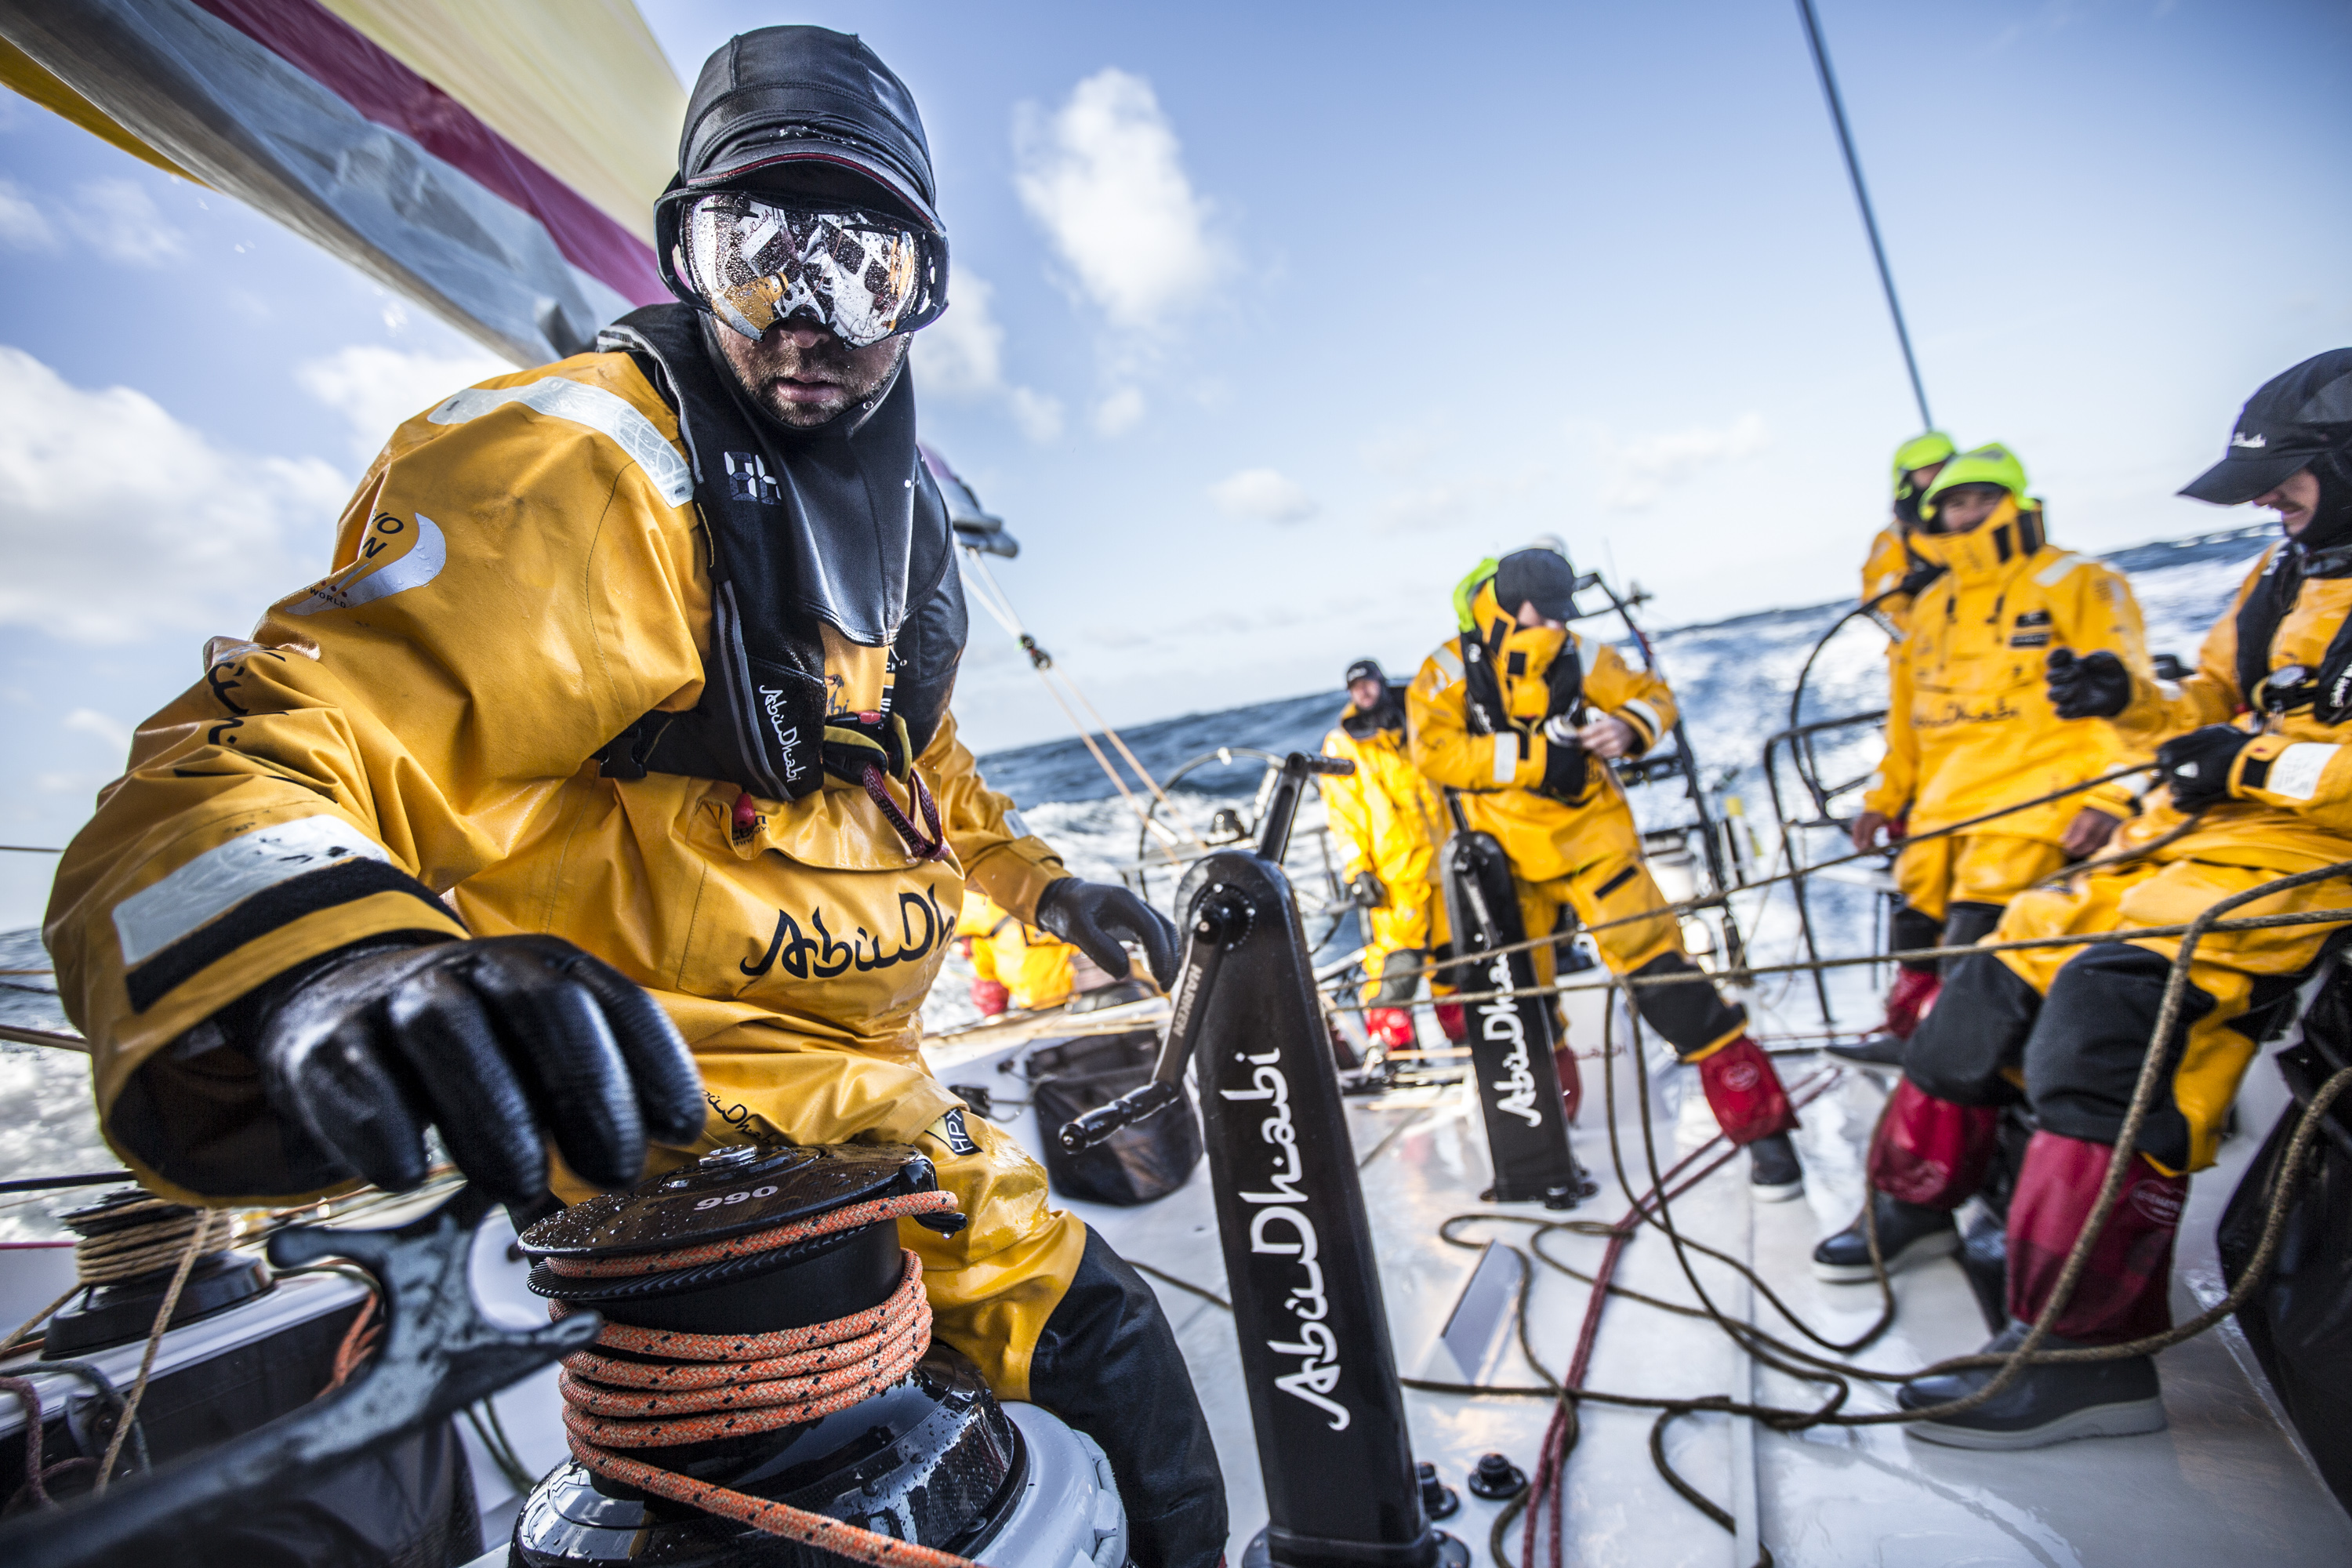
column 1539, row 576
column 778, row 106
column 2294, row 417
column 1365, row 669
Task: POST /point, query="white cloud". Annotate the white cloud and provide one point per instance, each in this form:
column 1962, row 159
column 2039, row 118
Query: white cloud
column 1119, row 412
column 1039, row 417
column 377, row 389
column 120, row 221
column 1265, row 495
column 1641, row 470
column 1104, row 175
column 21, row 222
column 961, row 356
column 118, row 521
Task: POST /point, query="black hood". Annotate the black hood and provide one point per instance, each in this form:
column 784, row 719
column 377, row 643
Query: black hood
column 811, row 112
column 785, row 95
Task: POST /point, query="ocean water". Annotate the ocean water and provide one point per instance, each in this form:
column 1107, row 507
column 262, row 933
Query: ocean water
column 1737, row 679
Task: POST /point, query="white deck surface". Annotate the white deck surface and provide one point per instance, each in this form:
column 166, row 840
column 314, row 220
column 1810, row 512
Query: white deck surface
column 2225, row 1484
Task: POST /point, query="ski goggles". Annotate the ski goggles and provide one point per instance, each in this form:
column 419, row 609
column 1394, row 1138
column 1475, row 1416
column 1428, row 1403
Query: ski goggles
column 756, row 263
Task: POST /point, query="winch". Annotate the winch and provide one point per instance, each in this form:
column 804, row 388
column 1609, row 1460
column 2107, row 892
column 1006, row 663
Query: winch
column 766, row 1391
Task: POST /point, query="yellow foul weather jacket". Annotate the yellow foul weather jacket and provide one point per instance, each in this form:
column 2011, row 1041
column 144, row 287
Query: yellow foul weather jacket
column 2290, row 810
column 1585, row 852
column 1970, row 727
column 1385, row 819
column 1883, row 571
column 519, row 577
column 1033, row 966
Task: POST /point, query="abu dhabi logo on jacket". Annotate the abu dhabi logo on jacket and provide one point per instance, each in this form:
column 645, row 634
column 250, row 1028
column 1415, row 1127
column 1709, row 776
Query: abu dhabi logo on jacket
column 826, row 954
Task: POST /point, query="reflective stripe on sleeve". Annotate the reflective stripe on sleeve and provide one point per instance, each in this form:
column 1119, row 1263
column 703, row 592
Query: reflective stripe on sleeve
column 600, row 411
column 1448, row 658
column 2295, row 774
column 1648, row 716
column 227, row 874
column 2050, row 577
column 1507, row 763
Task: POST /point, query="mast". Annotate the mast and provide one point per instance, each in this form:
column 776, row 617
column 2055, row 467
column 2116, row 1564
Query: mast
column 1862, row 198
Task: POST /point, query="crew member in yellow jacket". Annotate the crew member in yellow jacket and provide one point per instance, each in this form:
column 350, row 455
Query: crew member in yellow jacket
column 1890, row 562
column 1969, row 728
column 620, row 729
column 2256, row 752
column 1013, row 962
column 1386, row 821
column 1521, row 718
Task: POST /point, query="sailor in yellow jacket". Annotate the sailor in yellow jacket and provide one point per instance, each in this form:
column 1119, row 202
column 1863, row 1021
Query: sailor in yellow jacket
column 1386, row 822
column 1889, row 562
column 621, row 729
column 1013, row 962
column 2256, row 752
column 1969, row 728
column 1520, row 718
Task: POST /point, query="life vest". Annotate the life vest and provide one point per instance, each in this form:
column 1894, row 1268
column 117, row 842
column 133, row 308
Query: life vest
column 1482, row 709
column 2328, row 690
column 842, row 528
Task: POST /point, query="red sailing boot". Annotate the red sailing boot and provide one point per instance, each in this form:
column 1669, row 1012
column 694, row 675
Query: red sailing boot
column 1392, row 1028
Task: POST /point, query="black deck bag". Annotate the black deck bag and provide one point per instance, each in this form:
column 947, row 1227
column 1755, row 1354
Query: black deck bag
column 2300, row 1321
column 1137, row 1165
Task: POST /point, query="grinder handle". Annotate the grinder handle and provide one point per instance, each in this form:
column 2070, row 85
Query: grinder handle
column 1136, row 1105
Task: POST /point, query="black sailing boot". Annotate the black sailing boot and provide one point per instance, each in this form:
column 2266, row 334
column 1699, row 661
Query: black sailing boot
column 2046, row 1404
column 1774, row 1177
column 1907, row 1233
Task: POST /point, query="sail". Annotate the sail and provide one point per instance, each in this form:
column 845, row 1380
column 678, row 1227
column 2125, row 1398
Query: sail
column 495, row 160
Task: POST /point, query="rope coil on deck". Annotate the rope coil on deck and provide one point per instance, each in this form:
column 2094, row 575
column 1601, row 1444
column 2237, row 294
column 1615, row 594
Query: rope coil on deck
column 667, row 1387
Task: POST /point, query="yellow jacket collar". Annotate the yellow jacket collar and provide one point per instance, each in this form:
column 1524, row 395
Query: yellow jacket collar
column 1996, row 547
column 1502, row 634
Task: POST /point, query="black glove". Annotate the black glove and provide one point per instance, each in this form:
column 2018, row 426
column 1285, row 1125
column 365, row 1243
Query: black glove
column 2095, row 686
column 1566, row 766
column 2197, row 765
column 503, row 1043
column 1094, row 917
column 1366, row 893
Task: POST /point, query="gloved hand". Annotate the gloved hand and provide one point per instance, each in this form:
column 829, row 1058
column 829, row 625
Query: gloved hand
column 2097, row 686
column 1095, row 917
column 1566, row 762
column 2197, row 765
column 503, row 1043
column 1366, row 893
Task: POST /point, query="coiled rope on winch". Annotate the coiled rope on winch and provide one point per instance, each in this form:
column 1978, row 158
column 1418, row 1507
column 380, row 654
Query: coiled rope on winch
column 667, row 1387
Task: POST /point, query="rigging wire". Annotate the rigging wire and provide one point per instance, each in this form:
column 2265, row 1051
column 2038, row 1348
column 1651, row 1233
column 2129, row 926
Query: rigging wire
column 1862, row 198
column 994, row 600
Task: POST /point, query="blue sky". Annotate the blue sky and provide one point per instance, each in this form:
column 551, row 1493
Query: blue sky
column 1270, row 321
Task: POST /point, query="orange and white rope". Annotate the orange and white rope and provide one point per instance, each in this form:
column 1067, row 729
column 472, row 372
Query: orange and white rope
column 707, row 1386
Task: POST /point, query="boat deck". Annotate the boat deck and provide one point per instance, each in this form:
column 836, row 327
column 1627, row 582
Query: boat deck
column 2227, row 1481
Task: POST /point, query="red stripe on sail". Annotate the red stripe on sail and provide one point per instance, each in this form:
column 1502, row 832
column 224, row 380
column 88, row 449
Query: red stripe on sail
column 337, row 55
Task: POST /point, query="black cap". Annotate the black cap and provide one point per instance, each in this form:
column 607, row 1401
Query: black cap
column 1541, row 576
column 2293, row 418
column 1365, row 669
column 779, row 97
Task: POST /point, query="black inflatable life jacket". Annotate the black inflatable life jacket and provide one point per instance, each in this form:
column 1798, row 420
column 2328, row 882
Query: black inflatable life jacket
column 842, row 526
